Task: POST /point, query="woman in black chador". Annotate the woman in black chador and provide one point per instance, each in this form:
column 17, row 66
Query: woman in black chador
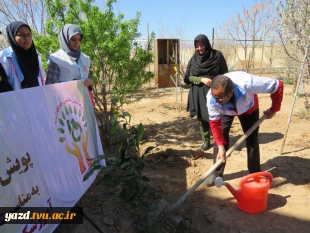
column 204, row 65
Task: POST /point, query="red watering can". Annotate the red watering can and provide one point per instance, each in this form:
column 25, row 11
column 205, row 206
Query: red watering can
column 252, row 194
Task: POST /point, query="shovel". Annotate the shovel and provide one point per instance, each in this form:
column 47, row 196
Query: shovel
column 171, row 210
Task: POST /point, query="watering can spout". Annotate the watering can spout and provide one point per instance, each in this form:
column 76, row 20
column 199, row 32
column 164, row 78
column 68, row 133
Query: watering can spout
column 234, row 192
column 219, row 182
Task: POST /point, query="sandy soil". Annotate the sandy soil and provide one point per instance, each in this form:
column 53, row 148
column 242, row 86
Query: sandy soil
column 173, row 170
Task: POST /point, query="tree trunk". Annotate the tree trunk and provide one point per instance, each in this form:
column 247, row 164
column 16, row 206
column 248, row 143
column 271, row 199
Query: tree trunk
column 105, row 127
column 295, row 83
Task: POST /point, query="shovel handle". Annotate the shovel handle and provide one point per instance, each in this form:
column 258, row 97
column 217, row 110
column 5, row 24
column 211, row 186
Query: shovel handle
column 217, row 164
column 247, row 133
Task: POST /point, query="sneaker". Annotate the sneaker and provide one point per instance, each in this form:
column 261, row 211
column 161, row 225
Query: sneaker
column 210, row 180
column 205, row 146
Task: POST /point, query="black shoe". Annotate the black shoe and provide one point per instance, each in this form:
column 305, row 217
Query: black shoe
column 205, row 146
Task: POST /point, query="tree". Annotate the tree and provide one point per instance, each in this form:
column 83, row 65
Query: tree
column 3, row 41
column 30, row 11
column 116, row 59
column 228, row 49
column 248, row 29
column 294, row 22
column 270, row 51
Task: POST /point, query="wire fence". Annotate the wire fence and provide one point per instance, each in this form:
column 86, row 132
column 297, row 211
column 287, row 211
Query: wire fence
column 261, row 57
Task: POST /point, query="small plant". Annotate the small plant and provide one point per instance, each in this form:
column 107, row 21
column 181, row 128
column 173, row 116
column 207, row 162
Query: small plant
column 299, row 95
column 302, row 113
column 125, row 170
column 168, row 106
column 288, row 81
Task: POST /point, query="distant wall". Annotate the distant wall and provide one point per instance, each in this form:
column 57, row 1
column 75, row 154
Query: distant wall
column 275, row 60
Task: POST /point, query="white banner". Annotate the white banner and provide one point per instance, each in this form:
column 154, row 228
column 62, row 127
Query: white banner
column 47, row 135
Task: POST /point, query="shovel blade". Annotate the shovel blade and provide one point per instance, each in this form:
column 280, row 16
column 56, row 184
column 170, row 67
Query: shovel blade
column 175, row 216
column 164, row 207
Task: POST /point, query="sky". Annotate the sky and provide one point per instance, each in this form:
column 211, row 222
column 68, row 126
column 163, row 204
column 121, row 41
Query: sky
column 167, row 17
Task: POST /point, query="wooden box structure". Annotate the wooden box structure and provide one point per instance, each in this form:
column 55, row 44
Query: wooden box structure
column 166, row 62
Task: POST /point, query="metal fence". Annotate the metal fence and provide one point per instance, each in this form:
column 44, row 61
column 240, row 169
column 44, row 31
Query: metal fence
column 261, row 59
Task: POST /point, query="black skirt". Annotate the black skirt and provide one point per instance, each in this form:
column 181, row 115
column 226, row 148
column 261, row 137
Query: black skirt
column 197, row 102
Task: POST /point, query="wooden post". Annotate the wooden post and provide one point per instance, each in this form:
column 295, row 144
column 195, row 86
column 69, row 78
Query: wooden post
column 148, row 41
column 176, row 74
column 261, row 61
column 296, row 91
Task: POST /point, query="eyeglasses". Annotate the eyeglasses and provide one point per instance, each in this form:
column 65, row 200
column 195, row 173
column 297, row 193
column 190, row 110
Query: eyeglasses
column 24, row 35
column 75, row 39
column 220, row 99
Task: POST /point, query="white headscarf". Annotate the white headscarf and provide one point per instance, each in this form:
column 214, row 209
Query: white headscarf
column 65, row 34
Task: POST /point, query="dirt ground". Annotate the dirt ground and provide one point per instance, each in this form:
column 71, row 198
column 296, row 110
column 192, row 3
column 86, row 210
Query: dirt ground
column 172, row 170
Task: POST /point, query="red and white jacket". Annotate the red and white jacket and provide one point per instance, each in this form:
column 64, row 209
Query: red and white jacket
column 246, row 88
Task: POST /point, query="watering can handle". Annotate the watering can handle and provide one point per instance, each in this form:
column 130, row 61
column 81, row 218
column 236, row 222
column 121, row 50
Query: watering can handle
column 265, row 174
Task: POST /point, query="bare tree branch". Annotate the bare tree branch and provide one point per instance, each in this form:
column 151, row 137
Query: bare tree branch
column 248, row 28
column 30, row 11
column 285, row 49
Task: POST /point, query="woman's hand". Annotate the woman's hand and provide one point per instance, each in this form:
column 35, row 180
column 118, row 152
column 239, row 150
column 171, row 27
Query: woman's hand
column 206, row 81
column 88, row 82
column 221, row 153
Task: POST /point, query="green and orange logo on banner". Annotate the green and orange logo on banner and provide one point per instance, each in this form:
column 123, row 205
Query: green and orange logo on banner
column 70, row 121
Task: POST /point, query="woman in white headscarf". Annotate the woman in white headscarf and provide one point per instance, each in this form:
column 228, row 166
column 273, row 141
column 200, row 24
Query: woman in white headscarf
column 69, row 63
